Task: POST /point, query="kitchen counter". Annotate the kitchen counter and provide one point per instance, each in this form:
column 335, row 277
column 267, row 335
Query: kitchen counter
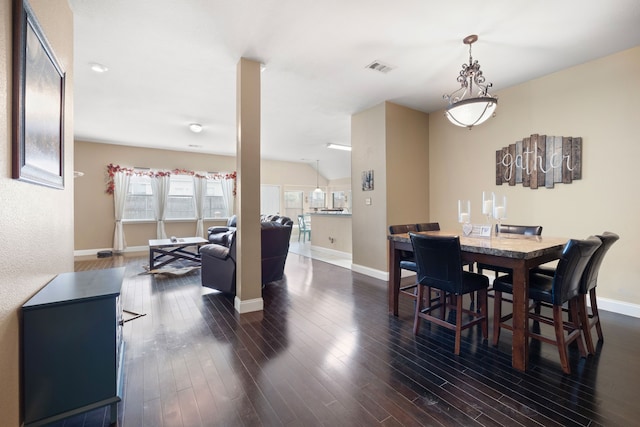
column 331, row 230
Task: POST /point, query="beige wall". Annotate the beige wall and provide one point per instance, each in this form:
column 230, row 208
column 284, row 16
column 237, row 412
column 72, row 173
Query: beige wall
column 331, row 231
column 37, row 222
column 394, row 142
column 597, row 101
column 94, row 219
column 407, row 162
column 368, row 221
column 292, row 176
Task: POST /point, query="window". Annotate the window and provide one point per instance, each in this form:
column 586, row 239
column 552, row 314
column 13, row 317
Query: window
column 293, row 203
column 180, row 203
column 139, row 203
column 214, row 206
column 339, row 199
column 316, row 199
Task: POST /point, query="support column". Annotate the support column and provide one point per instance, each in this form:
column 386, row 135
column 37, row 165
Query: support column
column 248, row 245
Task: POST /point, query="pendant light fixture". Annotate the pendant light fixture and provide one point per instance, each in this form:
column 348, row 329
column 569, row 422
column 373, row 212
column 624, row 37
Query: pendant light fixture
column 464, row 109
column 318, row 189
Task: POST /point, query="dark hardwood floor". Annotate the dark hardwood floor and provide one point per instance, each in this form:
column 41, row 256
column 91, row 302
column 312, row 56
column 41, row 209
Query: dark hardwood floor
column 325, row 352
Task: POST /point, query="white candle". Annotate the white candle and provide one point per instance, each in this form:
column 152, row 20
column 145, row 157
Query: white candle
column 486, row 207
column 464, row 217
column 499, row 212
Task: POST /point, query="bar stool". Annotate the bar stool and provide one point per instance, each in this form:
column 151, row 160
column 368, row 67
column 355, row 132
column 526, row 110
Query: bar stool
column 562, row 287
column 588, row 284
column 407, row 260
column 439, row 261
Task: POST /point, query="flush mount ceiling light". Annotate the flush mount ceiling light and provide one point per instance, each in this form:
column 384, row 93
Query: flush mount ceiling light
column 195, row 127
column 98, row 68
column 339, row 146
column 464, row 109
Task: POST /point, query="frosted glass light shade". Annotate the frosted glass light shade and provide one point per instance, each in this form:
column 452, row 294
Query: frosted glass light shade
column 472, row 111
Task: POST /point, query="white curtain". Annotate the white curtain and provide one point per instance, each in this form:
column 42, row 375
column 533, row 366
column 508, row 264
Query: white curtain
column 120, row 190
column 227, row 194
column 200, row 191
column 160, row 185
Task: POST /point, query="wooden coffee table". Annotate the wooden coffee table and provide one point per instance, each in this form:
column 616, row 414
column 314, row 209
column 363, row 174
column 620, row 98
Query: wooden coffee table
column 165, row 251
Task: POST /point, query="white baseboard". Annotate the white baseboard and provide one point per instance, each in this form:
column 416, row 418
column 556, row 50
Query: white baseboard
column 378, row 274
column 248, row 306
column 89, row 252
column 619, row 307
column 331, row 251
column 372, row 272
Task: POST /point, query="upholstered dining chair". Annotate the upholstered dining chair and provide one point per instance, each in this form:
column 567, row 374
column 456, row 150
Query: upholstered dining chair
column 563, row 287
column 439, row 262
column 407, row 260
column 304, row 229
column 588, row 284
column 428, row 226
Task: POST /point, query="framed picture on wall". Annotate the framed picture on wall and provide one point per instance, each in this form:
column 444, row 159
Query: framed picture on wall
column 38, row 103
column 367, row 180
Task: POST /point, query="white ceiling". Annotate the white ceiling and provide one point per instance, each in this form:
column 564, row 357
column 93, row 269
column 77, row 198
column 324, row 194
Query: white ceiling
column 172, row 63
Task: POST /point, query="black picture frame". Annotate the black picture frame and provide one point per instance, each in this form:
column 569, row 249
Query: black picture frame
column 38, row 103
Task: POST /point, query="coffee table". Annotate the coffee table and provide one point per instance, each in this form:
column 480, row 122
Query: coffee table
column 165, row 251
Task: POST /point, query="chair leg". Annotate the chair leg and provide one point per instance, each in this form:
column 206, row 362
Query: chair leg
column 458, row 323
column 416, row 319
column 562, row 345
column 497, row 314
column 596, row 315
column 585, row 324
column 482, row 300
column 443, row 304
column 574, row 309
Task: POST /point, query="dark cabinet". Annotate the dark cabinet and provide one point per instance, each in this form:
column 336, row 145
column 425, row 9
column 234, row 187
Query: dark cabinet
column 72, row 347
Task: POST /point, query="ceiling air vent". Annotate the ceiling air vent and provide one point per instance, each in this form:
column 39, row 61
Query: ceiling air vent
column 380, row 66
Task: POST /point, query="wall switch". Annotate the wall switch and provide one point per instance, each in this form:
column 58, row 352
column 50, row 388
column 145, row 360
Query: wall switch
column 367, row 201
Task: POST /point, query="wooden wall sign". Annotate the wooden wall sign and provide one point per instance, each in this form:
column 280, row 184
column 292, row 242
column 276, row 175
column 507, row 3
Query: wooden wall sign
column 540, row 161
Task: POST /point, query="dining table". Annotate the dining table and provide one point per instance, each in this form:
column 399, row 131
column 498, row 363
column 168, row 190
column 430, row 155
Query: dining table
column 518, row 252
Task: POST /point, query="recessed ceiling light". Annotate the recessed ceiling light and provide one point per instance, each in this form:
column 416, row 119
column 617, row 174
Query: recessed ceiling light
column 98, row 68
column 195, row 127
column 339, row 146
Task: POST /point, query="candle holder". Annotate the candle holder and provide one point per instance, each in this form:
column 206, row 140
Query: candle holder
column 487, row 205
column 464, row 211
column 499, row 210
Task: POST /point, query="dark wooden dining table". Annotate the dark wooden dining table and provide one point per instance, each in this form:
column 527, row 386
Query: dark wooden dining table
column 517, row 252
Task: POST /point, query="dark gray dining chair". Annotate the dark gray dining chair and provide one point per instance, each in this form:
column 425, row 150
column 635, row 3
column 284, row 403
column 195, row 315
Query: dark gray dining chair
column 439, row 262
column 407, row 260
column 563, row 287
column 588, row 284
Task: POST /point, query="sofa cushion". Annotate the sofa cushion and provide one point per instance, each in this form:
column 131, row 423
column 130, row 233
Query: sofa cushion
column 215, row 250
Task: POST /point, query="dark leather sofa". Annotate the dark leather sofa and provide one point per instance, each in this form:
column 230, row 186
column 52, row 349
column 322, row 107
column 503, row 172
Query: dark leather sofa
column 219, row 261
column 220, row 234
